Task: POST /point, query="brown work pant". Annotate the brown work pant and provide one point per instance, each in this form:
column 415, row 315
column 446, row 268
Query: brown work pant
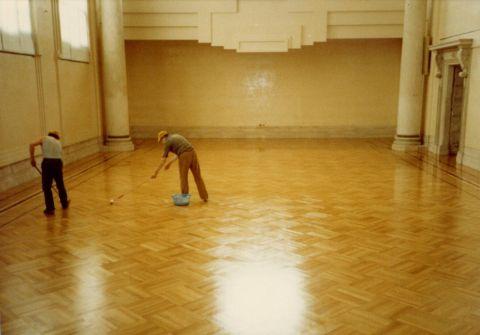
column 188, row 161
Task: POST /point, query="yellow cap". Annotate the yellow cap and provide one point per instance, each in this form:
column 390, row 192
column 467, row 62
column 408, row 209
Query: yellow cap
column 161, row 134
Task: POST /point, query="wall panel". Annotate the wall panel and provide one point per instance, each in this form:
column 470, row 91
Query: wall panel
column 342, row 88
column 262, row 25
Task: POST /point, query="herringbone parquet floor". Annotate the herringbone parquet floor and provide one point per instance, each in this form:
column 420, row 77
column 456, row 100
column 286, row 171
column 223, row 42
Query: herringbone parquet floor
column 299, row 237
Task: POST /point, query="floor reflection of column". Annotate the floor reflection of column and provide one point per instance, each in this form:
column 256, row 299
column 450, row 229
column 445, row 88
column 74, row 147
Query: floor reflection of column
column 400, row 216
column 90, row 290
column 260, row 289
column 261, row 298
column 411, row 198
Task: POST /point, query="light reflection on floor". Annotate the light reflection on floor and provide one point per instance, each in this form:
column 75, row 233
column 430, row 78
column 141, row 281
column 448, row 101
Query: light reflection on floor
column 261, row 298
column 90, row 290
column 351, row 240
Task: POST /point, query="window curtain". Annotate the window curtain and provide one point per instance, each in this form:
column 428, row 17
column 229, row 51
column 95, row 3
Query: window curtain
column 16, row 26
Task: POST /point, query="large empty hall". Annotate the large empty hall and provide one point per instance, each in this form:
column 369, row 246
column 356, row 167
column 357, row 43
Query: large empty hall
column 239, row 167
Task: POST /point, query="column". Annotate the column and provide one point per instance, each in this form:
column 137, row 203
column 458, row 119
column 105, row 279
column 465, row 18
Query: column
column 410, row 97
column 114, row 77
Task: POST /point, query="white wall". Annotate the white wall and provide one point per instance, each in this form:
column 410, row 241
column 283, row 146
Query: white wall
column 42, row 93
column 454, row 20
column 334, row 89
column 262, row 25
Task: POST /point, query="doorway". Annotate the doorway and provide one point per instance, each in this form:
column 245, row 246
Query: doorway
column 454, row 116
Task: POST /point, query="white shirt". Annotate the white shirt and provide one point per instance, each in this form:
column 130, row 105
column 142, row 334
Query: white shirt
column 51, row 147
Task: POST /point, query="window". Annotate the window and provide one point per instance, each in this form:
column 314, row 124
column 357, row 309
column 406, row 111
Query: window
column 16, row 26
column 74, row 29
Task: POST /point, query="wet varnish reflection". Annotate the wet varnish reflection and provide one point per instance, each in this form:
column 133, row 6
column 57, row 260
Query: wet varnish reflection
column 299, row 237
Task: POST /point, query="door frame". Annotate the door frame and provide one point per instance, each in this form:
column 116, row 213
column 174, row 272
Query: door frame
column 446, row 56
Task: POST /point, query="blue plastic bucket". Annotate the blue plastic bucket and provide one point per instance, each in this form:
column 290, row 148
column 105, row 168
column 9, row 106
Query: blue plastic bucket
column 181, row 199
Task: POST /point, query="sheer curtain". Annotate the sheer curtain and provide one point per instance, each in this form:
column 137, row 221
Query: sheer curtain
column 16, row 26
column 74, row 29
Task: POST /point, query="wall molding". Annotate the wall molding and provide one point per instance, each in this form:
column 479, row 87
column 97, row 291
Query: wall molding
column 469, row 157
column 447, row 55
column 460, row 50
column 12, row 155
column 267, row 132
column 21, row 172
column 438, row 149
column 249, row 26
column 79, row 150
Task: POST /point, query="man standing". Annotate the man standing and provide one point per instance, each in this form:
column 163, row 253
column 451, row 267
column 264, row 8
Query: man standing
column 187, row 160
column 52, row 168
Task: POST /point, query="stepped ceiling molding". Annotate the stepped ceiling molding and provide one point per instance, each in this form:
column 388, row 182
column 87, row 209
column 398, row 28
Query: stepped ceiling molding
column 262, row 25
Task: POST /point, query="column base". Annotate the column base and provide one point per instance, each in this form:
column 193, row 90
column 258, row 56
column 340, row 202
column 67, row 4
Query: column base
column 118, row 144
column 406, row 143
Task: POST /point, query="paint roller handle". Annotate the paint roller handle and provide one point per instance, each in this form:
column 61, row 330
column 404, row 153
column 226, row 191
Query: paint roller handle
column 167, row 166
column 162, row 163
column 33, row 162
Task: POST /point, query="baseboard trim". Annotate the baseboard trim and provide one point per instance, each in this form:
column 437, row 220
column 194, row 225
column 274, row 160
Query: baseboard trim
column 470, row 157
column 20, row 172
column 143, row 132
column 438, row 149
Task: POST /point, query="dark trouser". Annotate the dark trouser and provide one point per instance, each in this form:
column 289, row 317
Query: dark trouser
column 189, row 161
column 52, row 169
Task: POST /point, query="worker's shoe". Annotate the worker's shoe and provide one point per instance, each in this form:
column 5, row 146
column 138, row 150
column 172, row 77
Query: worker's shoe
column 48, row 212
column 66, row 205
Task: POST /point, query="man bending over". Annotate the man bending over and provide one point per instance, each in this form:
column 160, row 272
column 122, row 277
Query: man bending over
column 187, row 160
